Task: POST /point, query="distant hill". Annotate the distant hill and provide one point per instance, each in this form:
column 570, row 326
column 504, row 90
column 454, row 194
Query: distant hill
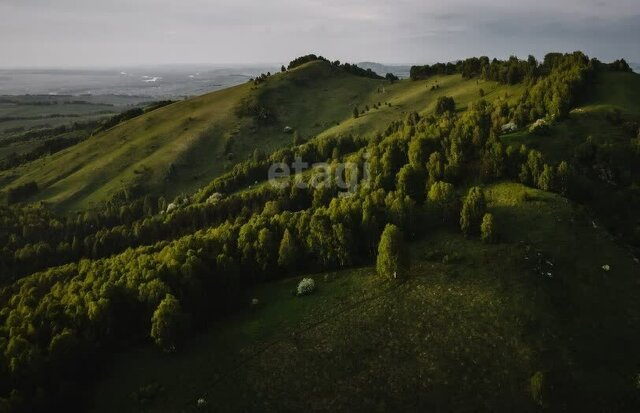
column 402, row 71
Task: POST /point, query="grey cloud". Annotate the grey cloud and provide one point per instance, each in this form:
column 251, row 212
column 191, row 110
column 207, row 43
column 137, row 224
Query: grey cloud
column 120, row 32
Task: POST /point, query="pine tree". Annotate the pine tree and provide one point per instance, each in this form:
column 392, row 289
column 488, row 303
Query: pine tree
column 392, row 261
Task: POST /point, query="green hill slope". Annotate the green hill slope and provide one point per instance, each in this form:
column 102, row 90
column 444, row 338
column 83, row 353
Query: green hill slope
column 517, row 298
column 598, row 139
column 470, row 327
column 180, row 147
column 616, row 90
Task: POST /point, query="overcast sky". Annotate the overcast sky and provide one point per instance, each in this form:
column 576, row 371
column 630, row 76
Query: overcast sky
column 136, row 32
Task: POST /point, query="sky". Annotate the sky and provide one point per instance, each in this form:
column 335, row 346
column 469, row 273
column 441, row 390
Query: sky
column 99, row 33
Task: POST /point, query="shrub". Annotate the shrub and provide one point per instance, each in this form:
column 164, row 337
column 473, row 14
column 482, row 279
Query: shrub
column 306, row 286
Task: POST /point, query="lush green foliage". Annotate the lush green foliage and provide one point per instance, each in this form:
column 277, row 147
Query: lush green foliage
column 487, row 228
column 392, row 261
column 445, row 104
column 473, row 211
column 167, row 322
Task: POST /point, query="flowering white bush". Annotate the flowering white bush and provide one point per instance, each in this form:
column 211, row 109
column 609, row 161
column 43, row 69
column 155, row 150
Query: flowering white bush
column 306, row 286
column 509, row 127
column 214, row 198
column 540, row 127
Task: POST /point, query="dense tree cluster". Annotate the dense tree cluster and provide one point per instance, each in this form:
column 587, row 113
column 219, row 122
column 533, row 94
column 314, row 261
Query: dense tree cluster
column 620, row 65
column 427, row 71
column 119, row 118
column 299, row 61
column 358, row 71
column 48, row 147
column 514, row 70
column 554, row 94
column 347, row 67
column 445, row 104
column 21, row 192
column 49, row 133
column 55, row 139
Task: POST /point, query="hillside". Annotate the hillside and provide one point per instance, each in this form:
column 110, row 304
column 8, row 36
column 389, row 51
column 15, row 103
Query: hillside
column 178, row 148
column 597, row 137
column 455, row 253
column 461, row 331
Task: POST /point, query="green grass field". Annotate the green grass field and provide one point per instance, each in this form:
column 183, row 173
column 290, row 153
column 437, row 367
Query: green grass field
column 315, row 99
column 470, row 327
